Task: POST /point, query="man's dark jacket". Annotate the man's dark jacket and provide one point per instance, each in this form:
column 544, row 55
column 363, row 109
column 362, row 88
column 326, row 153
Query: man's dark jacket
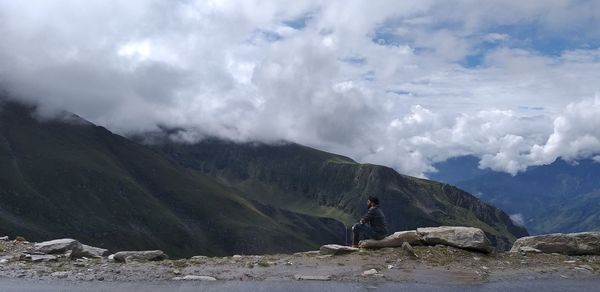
column 376, row 220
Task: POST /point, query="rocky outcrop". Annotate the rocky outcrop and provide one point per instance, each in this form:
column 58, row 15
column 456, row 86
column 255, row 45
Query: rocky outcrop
column 468, row 238
column 147, row 255
column 394, row 240
column 336, row 249
column 583, row 243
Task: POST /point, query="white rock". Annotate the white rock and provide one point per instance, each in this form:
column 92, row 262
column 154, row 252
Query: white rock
column 4, row 238
column 469, row 238
column 93, row 252
column 146, row 255
column 583, row 243
column 4, row 261
column 237, row 256
column 58, row 246
column 36, row 258
column 336, row 249
column 312, row 278
column 194, row 278
column 394, row 240
column 369, row 272
column 60, row 275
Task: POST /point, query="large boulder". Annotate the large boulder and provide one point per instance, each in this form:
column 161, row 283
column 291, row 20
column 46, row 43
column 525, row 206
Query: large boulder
column 583, row 243
column 468, row 238
column 394, row 240
column 59, row 246
column 147, row 255
column 336, row 249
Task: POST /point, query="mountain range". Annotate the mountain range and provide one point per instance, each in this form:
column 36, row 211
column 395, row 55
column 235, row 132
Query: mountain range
column 559, row 197
column 67, row 177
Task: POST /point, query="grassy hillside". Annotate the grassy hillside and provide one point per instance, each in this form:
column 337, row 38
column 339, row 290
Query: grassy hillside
column 74, row 179
column 317, row 183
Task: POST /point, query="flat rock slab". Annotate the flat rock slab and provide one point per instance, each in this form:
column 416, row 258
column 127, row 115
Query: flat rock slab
column 394, row 240
column 312, row 278
column 58, row 246
column 583, row 243
column 41, row 258
column 147, row 255
column 336, row 249
column 194, row 278
column 93, row 252
column 468, row 238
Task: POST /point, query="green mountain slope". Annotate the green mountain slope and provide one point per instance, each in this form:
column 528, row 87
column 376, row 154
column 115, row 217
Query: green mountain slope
column 316, row 183
column 73, row 179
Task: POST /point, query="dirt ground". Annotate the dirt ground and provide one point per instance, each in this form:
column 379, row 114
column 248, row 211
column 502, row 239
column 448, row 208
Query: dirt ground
column 434, row 264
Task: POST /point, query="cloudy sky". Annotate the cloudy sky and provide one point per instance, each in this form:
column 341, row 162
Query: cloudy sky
column 399, row 83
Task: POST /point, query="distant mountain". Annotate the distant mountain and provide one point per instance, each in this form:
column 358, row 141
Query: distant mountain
column 316, row 183
column 559, row 197
column 70, row 178
column 74, row 179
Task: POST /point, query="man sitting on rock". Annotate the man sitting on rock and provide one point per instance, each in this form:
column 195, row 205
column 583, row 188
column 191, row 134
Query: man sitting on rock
column 372, row 225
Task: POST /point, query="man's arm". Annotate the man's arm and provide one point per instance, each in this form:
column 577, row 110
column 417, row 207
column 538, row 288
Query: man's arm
column 367, row 217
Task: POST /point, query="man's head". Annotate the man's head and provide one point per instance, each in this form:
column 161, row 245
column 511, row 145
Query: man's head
column 372, row 201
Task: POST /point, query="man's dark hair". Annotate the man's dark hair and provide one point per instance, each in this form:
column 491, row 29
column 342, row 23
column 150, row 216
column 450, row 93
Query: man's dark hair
column 374, row 200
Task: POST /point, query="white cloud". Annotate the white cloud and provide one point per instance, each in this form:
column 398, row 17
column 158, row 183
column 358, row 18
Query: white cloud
column 518, row 219
column 238, row 69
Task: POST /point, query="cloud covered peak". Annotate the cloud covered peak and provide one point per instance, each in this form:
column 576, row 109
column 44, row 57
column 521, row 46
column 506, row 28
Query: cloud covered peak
column 401, row 83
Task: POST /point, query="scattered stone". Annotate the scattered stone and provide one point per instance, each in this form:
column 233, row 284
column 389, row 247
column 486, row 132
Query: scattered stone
column 59, row 246
column 336, row 249
column 199, row 258
column 583, row 243
column 468, row 238
column 409, row 250
column 369, row 272
column 312, row 278
column 4, row 261
column 4, row 238
column 111, row 258
column 177, row 272
column 147, row 255
column 60, row 275
column 394, row 240
column 324, row 256
column 528, row 249
column 581, row 269
column 587, row 267
column 390, row 267
column 570, row 262
column 20, row 239
column 237, row 256
column 194, row 278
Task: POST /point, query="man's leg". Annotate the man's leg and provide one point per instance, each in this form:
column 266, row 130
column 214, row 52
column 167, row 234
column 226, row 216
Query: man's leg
column 360, row 231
